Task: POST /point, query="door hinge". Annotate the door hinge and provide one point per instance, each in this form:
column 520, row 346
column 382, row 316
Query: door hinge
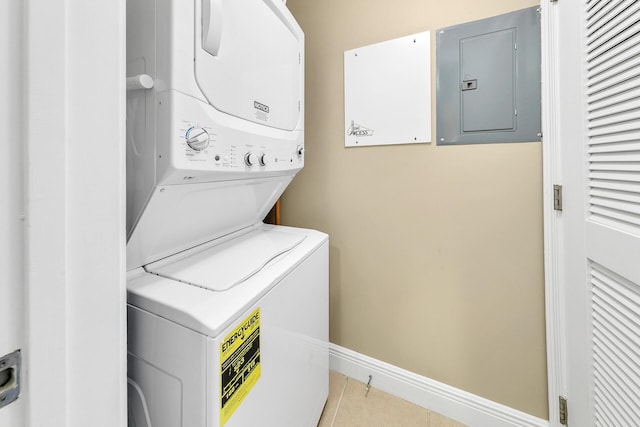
column 564, row 412
column 557, row 197
column 10, row 372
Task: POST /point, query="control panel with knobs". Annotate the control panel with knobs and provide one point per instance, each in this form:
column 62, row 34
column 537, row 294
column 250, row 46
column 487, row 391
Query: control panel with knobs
column 203, row 150
column 197, row 138
column 262, row 159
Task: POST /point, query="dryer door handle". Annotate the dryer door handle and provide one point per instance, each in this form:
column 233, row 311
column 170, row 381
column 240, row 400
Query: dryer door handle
column 211, row 25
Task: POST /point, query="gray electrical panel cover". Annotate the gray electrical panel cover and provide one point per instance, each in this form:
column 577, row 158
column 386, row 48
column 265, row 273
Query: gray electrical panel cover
column 488, row 80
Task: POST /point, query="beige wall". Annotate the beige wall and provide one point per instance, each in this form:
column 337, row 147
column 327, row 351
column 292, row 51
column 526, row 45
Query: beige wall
column 436, row 252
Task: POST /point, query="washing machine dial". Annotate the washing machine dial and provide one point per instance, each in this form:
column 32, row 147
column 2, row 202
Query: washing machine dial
column 197, row 138
column 300, row 151
column 265, row 159
column 251, row 159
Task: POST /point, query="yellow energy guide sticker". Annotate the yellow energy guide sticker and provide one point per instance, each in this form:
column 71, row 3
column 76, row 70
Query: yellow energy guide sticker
column 239, row 364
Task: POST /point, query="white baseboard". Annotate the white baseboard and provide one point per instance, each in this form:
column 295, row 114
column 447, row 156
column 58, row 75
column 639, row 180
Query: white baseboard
column 451, row 402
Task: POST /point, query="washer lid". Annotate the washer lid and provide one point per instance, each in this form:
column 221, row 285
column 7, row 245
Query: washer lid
column 227, row 264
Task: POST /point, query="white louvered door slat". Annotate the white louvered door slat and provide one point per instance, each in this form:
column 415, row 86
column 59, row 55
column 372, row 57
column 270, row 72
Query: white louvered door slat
column 614, row 127
column 598, row 9
column 615, row 195
column 601, row 169
column 623, row 52
column 614, row 176
column 614, row 157
column 599, row 46
column 616, row 22
column 626, row 142
column 608, row 76
column 619, row 114
column 612, row 82
column 631, row 188
column 621, row 15
column 623, row 367
column 620, row 89
column 616, row 345
column 618, row 105
column 629, row 166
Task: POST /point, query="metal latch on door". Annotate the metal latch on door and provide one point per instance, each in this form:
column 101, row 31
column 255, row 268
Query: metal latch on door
column 469, row 85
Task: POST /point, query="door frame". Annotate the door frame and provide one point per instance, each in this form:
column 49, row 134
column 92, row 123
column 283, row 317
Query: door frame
column 73, row 140
column 553, row 224
column 553, row 245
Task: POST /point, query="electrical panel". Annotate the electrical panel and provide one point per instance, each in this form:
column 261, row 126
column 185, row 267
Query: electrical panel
column 489, row 81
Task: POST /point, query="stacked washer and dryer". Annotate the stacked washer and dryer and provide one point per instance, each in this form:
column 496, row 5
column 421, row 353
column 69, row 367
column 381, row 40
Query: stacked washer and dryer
column 227, row 316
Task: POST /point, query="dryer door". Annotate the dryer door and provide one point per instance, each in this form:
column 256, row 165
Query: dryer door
column 248, row 60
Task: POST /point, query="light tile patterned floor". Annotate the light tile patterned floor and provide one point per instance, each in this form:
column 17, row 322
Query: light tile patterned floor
column 348, row 406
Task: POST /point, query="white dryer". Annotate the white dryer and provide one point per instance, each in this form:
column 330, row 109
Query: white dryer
column 228, row 317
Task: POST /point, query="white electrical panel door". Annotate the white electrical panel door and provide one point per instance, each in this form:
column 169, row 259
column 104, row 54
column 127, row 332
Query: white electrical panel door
column 387, row 92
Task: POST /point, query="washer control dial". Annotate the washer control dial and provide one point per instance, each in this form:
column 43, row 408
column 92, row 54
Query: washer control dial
column 251, row 159
column 197, row 138
column 265, row 159
column 300, row 151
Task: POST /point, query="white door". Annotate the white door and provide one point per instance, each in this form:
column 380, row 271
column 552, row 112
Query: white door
column 599, row 63
column 11, row 228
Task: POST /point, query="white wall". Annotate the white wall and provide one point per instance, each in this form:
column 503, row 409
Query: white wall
column 426, row 256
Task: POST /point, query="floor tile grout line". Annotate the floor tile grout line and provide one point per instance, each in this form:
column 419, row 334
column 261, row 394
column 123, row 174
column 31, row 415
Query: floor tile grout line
column 335, row 414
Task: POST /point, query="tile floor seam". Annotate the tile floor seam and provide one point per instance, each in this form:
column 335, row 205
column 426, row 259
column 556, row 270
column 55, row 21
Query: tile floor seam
column 335, row 414
column 383, row 409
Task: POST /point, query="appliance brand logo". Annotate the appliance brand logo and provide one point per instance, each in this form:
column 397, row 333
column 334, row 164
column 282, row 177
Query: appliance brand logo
column 260, row 106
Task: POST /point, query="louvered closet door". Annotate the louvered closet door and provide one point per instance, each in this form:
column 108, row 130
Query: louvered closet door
column 601, row 165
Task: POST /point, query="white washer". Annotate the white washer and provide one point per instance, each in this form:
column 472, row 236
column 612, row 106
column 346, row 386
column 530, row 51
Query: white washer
column 177, row 332
column 228, row 317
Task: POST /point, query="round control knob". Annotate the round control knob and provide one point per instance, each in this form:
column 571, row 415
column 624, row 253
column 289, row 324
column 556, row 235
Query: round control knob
column 300, row 151
column 265, row 159
column 197, row 138
column 250, row 159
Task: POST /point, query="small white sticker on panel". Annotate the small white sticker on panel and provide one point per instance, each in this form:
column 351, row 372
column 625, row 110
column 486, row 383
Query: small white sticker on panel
column 387, row 92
